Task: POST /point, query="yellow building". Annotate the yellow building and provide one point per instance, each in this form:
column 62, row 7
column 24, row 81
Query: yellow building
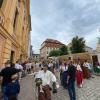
column 15, row 25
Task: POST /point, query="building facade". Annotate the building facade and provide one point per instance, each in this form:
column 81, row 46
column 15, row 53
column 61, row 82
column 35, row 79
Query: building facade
column 15, row 26
column 48, row 45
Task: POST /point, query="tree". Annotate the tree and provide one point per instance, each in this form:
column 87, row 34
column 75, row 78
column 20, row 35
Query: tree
column 54, row 53
column 63, row 50
column 77, row 45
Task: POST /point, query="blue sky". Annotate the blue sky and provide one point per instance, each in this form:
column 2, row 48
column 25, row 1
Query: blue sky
column 64, row 19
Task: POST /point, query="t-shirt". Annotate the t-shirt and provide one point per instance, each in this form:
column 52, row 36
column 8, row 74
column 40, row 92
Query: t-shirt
column 7, row 73
column 71, row 73
column 18, row 66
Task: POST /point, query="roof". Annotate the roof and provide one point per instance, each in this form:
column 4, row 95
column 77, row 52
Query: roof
column 52, row 41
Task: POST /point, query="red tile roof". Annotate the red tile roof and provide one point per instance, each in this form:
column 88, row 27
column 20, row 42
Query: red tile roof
column 52, row 41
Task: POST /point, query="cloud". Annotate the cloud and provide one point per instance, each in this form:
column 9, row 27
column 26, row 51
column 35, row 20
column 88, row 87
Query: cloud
column 64, row 19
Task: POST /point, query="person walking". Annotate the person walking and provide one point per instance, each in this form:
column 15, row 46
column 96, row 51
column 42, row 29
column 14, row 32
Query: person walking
column 6, row 75
column 79, row 75
column 46, row 77
column 50, row 66
column 18, row 66
column 86, row 69
column 71, row 81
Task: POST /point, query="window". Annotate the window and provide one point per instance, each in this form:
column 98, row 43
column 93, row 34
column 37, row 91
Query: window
column 12, row 56
column 16, row 13
column 1, row 1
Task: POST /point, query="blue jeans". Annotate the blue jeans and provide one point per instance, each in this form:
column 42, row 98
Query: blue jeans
column 4, row 93
column 71, row 90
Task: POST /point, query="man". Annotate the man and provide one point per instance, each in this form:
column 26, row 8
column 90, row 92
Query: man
column 47, row 77
column 18, row 66
column 71, row 81
column 6, row 76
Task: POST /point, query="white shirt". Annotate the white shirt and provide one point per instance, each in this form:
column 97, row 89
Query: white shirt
column 47, row 77
column 78, row 67
column 64, row 68
column 50, row 65
column 38, row 74
column 18, row 66
column 28, row 65
column 87, row 65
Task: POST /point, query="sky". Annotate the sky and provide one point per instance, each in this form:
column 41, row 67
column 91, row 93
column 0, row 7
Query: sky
column 64, row 19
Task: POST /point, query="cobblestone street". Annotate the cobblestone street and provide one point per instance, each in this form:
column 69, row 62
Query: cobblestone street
column 27, row 92
column 90, row 90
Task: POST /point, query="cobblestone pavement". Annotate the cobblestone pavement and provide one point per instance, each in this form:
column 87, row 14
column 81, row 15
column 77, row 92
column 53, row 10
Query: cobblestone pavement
column 26, row 92
column 90, row 90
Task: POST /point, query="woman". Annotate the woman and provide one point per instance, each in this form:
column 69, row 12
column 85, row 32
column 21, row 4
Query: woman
column 63, row 74
column 79, row 75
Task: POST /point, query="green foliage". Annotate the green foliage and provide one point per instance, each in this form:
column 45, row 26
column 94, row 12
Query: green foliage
column 54, row 53
column 77, row 45
column 63, row 50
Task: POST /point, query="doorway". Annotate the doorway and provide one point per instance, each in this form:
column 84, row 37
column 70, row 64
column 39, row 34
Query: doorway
column 12, row 56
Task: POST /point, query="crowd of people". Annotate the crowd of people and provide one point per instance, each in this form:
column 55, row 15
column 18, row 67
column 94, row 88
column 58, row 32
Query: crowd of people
column 69, row 73
column 10, row 77
column 45, row 73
